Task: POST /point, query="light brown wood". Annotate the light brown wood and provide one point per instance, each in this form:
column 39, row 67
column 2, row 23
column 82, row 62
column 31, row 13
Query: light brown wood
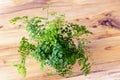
column 100, row 17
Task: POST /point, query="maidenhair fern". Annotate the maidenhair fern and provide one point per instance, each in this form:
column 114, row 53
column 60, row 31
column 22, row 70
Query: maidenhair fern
column 54, row 43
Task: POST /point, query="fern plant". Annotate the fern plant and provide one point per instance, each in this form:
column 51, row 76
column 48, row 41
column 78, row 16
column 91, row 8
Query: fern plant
column 53, row 43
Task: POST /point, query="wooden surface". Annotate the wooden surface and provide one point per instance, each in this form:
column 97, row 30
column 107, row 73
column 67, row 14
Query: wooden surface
column 100, row 17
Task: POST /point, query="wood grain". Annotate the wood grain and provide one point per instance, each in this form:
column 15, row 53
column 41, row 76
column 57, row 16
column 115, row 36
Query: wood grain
column 100, row 17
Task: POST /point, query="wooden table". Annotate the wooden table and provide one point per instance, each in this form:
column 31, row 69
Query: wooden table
column 104, row 46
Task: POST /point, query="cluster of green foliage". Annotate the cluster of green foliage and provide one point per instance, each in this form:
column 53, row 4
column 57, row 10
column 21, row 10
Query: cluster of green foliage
column 53, row 44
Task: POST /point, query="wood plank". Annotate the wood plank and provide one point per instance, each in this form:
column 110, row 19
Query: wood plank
column 104, row 46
